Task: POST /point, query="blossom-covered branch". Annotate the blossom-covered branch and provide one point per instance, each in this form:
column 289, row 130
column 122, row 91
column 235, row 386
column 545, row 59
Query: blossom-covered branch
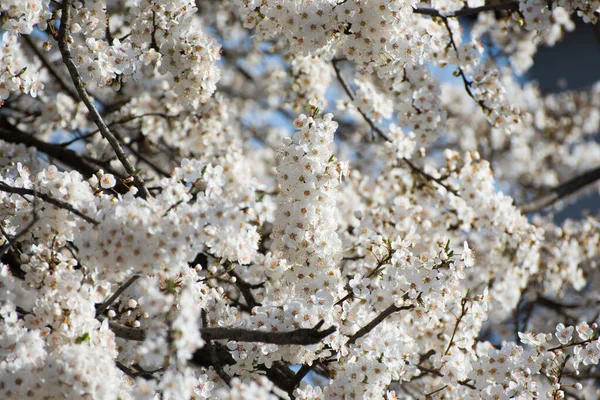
column 63, row 44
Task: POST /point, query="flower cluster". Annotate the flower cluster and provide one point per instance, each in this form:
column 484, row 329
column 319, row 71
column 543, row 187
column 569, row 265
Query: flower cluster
column 17, row 74
column 179, row 48
column 375, row 104
column 416, row 97
column 311, row 78
column 21, row 17
column 309, row 26
column 305, row 228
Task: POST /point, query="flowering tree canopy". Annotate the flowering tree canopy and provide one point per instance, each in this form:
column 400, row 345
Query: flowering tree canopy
column 244, row 199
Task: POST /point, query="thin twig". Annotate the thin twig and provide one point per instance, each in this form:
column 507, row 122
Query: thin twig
column 10, row 242
column 435, row 372
column 424, row 174
column 58, row 203
column 380, row 263
column 380, row 132
column 103, row 306
column 53, row 71
column 63, row 45
column 348, row 91
column 466, row 82
column 463, row 311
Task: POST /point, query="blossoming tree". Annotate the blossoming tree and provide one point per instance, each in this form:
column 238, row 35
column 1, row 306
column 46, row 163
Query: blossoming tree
column 281, row 199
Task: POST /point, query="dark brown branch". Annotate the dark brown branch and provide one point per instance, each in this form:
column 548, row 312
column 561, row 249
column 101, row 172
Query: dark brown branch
column 380, row 263
column 302, row 372
column 360, row 333
column 376, row 321
column 63, row 45
column 58, row 203
column 85, row 165
column 596, row 30
column 103, row 306
column 118, row 122
column 305, row 337
column 143, row 158
column 214, row 357
column 245, row 289
column 435, row 372
column 134, row 374
column 563, row 190
column 432, row 12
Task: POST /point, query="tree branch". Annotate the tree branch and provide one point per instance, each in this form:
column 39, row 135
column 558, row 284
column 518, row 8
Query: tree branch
column 63, row 45
column 85, row 165
column 245, row 289
column 305, row 337
column 427, row 176
column 432, row 12
column 100, row 308
column 58, row 203
column 563, row 190
column 466, row 82
column 376, row 321
column 212, row 352
column 348, row 91
column 463, row 311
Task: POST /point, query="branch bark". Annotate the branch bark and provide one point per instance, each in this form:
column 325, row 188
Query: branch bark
column 563, row 190
column 304, row 337
column 348, row 91
column 432, row 12
column 376, row 321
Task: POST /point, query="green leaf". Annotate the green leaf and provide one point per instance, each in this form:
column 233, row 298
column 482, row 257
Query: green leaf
column 21, row 72
column 170, row 286
column 82, row 338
